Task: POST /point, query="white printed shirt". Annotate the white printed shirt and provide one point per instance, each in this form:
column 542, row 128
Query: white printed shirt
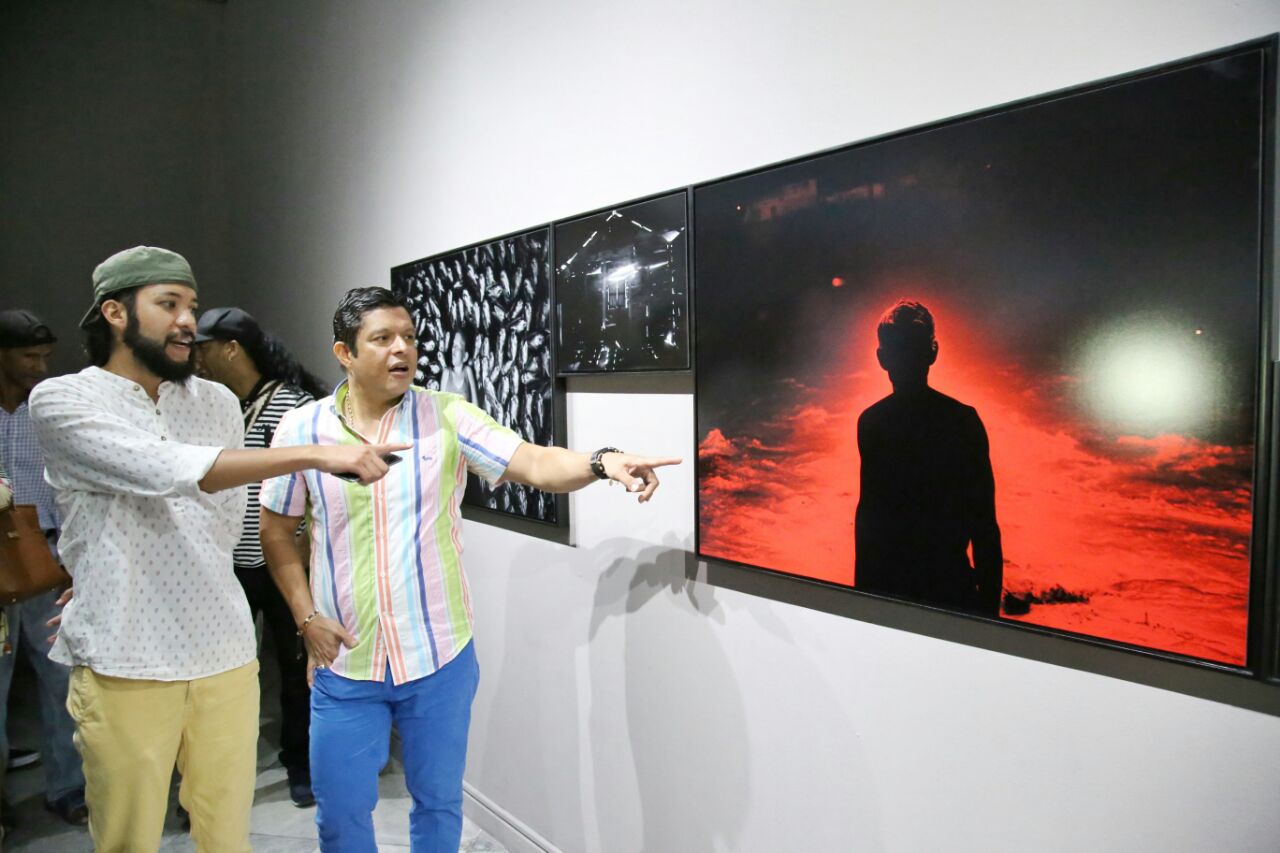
column 150, row 554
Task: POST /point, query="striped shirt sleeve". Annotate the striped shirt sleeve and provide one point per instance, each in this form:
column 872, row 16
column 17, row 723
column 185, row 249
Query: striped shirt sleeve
column 286, row 494
column 486, row 444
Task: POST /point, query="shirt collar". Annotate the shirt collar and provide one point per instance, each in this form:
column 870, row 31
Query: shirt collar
column 166, row 387
column 341, row 390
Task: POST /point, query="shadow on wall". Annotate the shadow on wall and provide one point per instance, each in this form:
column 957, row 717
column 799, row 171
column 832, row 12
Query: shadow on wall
column 622, row 725
column 627, row 728
column 702, row 753
column 677, row 695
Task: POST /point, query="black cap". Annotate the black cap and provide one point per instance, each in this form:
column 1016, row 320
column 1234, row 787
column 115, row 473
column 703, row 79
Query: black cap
column 20, row 328
column 227, row 324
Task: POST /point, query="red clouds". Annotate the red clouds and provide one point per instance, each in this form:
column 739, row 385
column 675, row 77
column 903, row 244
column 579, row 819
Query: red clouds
column 1153, row 531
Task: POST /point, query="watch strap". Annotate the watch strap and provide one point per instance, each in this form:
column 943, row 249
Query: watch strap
column 597, row 466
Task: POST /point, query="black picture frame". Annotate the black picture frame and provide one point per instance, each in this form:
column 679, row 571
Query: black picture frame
column 640, row 323
column 494, row 299
column 1262, row 640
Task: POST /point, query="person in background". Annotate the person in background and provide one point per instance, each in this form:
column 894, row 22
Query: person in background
column 147, row 466
column 232, row 349
column 386, row 615
column 26, row 345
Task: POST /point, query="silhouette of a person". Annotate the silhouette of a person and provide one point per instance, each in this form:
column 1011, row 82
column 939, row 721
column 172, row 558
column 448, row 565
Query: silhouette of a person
column 927, row 490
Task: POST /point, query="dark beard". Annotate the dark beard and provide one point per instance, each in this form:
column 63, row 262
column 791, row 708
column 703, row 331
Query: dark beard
column 152, row 354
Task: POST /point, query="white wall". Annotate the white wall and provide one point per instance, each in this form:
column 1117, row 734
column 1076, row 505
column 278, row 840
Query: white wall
column 626, row 703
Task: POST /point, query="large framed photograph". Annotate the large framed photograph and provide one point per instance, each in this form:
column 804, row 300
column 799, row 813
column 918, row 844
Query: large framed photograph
column 1006, row 365
column 483, row 315
column 622, row 288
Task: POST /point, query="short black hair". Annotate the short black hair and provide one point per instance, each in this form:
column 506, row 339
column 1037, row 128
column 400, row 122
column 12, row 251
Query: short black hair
column 97, row 335
column 907, row 324
column 356, row 303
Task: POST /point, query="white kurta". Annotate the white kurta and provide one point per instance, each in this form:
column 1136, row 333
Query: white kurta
column 150, row 554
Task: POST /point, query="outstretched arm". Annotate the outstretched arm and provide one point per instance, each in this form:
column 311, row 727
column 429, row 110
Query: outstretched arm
column 86, row 448
column 237, row 467
column 555, row 469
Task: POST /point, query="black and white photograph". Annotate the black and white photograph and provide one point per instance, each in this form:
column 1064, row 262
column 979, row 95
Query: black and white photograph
column 622, row 288
column 483, row 317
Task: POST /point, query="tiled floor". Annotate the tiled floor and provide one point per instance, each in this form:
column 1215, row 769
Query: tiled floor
column 278, row 826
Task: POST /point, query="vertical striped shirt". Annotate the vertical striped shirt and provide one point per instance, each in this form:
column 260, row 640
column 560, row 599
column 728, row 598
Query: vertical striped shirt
column 284, row 398
column 386, row 559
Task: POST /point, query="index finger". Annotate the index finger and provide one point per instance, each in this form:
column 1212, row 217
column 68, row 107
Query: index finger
column 658, row 462
column 382, row 449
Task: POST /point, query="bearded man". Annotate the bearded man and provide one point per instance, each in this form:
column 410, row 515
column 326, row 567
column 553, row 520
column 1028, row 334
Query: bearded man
column 148, row 467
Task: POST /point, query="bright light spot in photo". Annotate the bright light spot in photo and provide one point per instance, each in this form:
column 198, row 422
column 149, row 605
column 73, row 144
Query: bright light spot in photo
column 1151, row 377
column 622, row 273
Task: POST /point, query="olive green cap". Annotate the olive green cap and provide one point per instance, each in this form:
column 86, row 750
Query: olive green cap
column 134, row 268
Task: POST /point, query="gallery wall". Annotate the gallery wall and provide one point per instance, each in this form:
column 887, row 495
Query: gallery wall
column 632, row 698
column 626, row 702
column 112, row 135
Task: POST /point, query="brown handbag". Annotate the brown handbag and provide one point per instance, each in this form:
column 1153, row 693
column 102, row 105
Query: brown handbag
column 27, row 567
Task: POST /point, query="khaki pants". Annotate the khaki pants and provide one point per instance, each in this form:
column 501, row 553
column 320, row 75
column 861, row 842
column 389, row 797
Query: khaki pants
column 130, row 732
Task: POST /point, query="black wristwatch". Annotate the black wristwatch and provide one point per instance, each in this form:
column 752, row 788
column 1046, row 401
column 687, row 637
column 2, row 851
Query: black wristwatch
column 597, row 467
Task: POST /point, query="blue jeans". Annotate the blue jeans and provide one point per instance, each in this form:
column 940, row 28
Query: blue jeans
column 350, row 739
column 28, row 635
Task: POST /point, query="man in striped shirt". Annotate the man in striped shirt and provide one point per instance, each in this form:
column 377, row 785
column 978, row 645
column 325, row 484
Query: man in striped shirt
column 386, row 617
column 233, row 349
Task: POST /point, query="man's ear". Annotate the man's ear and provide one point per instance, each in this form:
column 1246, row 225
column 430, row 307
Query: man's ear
column 342, row 353
column 115, row 313
column 933, row 353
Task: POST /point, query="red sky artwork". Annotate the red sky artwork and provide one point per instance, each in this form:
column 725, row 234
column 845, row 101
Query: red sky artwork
column 1091, row 263
column 1153, row 532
